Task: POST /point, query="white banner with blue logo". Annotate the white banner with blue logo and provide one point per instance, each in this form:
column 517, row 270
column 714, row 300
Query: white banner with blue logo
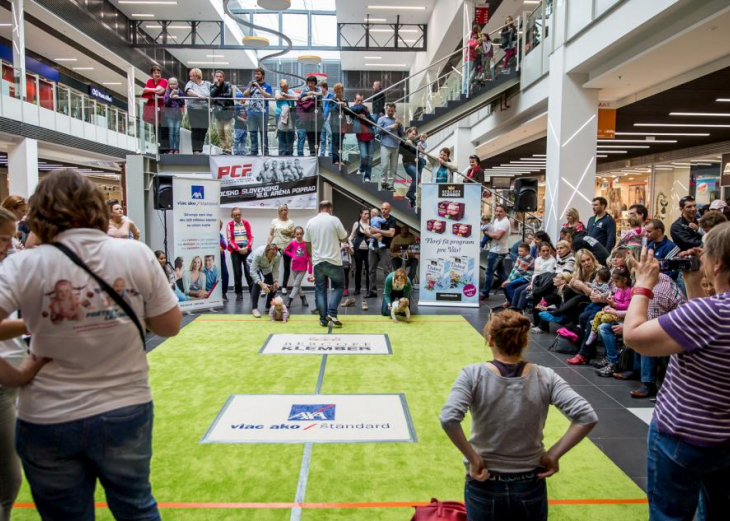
column 197, row 243
column 450, row 219
column 313, row 418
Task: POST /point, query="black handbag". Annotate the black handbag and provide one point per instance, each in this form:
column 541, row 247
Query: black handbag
column 542, row 285
column 116, row 297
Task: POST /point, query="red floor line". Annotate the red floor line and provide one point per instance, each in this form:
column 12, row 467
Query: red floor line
column 403, row 504
column 346, row 321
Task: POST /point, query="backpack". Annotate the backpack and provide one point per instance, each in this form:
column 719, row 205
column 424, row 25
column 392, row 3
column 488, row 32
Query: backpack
column 542, row 285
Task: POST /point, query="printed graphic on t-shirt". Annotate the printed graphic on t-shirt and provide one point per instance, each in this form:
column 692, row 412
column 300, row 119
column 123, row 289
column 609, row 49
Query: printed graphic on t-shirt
column 300, row 252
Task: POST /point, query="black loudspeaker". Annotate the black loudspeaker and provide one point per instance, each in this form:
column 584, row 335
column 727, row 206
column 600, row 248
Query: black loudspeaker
column 525, row 194
column 163, row 192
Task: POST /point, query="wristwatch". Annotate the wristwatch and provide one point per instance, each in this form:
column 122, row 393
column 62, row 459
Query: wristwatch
column 637, row 290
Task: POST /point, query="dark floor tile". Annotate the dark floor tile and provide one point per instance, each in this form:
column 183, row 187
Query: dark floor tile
column 641, row 481
column 628, row 453
column 620, row 393
column 596, row 397
column 542, row 358
column 570, row 376
column 618, row 423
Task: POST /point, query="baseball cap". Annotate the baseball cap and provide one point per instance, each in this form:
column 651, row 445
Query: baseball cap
column 718, row 204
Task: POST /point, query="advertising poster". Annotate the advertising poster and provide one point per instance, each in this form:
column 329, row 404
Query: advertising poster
column 303, row 344
column 266, row 182
column 450, row 219
column 197, row 243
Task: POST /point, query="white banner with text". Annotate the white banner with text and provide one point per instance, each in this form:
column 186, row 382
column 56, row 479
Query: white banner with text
column 293, row 344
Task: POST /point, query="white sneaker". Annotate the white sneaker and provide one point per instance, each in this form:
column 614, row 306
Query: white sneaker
column 283, row 291
column 536, row 330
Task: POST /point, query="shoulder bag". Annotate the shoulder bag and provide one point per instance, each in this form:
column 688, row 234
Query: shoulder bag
column 116, row 297
column 441, row 511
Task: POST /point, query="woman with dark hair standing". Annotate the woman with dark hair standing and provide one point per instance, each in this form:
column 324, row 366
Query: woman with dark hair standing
column 509, row 398
column 121, row 226
column 99, row 373
column 359, row 239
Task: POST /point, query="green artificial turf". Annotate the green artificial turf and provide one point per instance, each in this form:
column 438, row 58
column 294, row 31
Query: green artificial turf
column 193, row 374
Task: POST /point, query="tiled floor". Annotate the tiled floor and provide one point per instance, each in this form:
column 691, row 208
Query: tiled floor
column 623, row 421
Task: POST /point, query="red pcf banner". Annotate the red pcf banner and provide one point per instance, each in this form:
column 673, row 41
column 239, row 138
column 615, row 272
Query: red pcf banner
column 481, row 14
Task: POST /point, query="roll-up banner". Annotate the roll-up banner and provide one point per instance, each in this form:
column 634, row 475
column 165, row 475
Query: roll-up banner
column 266, row 182
column 197, row 242
column 450, row 219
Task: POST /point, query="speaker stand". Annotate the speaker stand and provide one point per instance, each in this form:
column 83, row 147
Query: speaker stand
column 164, row 213
column 524, row 229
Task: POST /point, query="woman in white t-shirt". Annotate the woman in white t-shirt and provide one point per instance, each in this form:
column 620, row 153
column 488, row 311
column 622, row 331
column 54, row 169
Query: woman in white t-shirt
column 15, row 369
column 87, row 415
column 281, row 234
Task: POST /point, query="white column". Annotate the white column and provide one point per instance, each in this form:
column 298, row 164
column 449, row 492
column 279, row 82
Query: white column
column 18, row 22
column 463, row 147
column 571, row 145
column 131, row 102
column 23, row 167
column 136, row 196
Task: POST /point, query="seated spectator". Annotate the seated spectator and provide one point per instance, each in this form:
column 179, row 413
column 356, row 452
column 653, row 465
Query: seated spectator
column 618, row 301
column 576, row 294
column 688, row 454
column 513, row 253
column 708, row 221
column 573, row 220
column 565, row 260
column 521, row 273
column 545, row 263
column 540, row 238
column 509, row 399
column 580, row 240
column 397, row 286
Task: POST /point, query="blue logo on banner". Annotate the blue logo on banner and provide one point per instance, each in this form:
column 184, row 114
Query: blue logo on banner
column 312, row 412
column 197, row 192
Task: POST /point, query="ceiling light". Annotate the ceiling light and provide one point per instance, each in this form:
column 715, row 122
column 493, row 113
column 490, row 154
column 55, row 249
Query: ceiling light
column 275, row 5
column 662, row 134
column 647, row 140
column 701, row 114
column 381, row 30
column 142, row 15
column 178, row 27
column 410, row 41
column 681, row 164
column 112, row 83
column 399, row 7
column 685, row 125
column 532, row 2
column 83, row 68
column 531, row 159
column 148, row 2
column 255, row 41
column 66, row 59
column 723, row 100
column 309, row 59
column 374, row 20
column 6, row 25
column 539, row 155
column 623, row 146
column 153, row 26
column 385, row 65
column 372, row 57
column 613, row 151
column 208, row 63
column 600, row 155
column 215, row 56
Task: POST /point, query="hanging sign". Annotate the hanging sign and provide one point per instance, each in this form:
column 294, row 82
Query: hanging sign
column 481, row 14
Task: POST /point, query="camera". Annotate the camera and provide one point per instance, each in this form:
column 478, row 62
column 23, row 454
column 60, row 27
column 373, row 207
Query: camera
column 679, row 264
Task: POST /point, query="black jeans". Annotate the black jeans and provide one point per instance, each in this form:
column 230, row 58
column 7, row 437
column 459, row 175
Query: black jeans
column 239, row 260
column 500, row 500
column 256, row 292
column 411, row 264
column 198, row 127
column 361, row 259
column 224, row 272
column 287, row 270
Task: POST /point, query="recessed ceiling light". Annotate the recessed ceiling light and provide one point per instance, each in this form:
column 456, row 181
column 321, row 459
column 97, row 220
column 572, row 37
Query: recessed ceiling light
column 372, row 57
column 112, row 83
column 539, row 155
column 662, row 134
column 637, row 141
column 148, row 2
column 410, row 41
column 66, row 59
column 142, row 15
column 374, row 20
column 178, row 27
column 223, row 56
column 385, row 65
column 613, row 151
column 6, row 25
column 153, row 26
column 532, row 2
column 208, row 63
column 702, row 114
column 399, row 7
column 83, row 68
column 601, row 155
column 623, row 146
column 381, row 30
column 684, row 125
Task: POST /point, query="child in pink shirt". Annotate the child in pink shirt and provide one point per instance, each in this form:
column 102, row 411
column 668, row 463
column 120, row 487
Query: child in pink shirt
column 619, row 302
column 301, row 264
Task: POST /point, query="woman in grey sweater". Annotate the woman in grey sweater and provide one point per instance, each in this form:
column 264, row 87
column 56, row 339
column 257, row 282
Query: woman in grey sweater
column 509, row 398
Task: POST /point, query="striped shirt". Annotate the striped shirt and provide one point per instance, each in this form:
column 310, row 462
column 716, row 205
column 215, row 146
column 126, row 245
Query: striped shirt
column 694, row 402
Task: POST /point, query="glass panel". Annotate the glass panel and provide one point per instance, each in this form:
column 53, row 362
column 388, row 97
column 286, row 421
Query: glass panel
column 101, row 111
column 112, row 119
column 296, row 28
column 122, row 122
column 324, row 30
column 62, row 102
column 270, row 21
column 46, row 94
column 9, row 84
column 31, row 88
column 77, row 110
column 88, row 106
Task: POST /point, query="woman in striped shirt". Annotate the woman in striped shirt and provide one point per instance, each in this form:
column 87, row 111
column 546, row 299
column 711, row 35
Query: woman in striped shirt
column 689, row 438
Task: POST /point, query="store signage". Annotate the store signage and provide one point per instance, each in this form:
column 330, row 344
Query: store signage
column 313, row 418
column 481, row 14
column 292, row 344
column 99, row 94
column 725, row 175
column 606, row 124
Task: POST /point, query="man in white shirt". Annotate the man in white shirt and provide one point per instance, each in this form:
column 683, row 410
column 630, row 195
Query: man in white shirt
column 323, row 235
column 499, row 250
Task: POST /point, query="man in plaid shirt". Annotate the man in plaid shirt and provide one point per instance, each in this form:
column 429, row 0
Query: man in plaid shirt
column 667, row 297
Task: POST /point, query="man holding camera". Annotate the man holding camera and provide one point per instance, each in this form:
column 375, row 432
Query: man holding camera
column 258, row 110
column 685, row 230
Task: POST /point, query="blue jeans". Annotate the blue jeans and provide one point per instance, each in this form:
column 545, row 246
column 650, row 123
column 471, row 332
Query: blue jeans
column 257, row 126
column 494, row 261
column 336, row 139
column 609, row 341
column 484, row 241
column 63, row 461
column 286, row 142
column 366, row 157
column 511, row 287
column 239, row 141
column 173, row 124
column 498, row 501
column 680, row 475
column 394, row 297
column 301, row 139
column 412, row 172
column 520, row 298
column 325, row 139
column 336, row 275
